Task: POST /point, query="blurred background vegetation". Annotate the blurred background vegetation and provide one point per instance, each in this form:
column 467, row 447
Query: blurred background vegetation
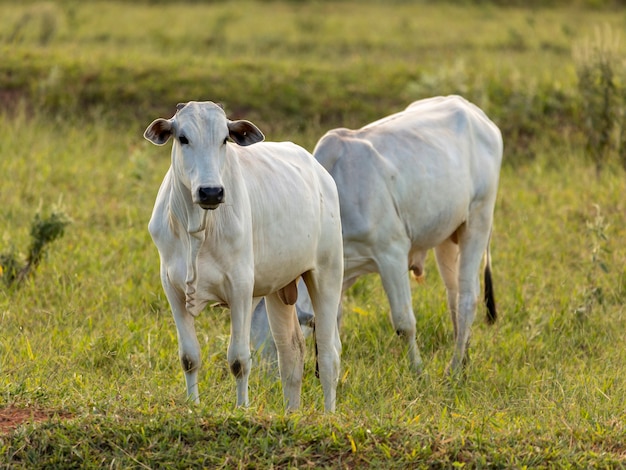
column 301, row 67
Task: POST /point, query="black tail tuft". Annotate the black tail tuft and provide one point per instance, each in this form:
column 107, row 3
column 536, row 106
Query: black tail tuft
column 490, row 300
column 317, row 364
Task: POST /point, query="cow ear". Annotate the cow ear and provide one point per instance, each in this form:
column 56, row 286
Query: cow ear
column 159, row 132
column 244, row 132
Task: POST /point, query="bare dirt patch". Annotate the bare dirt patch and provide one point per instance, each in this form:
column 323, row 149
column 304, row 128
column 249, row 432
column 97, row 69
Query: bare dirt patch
column 11, row 417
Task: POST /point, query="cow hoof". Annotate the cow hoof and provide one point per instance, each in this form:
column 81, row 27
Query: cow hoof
column 455, row 373
column 418, row 370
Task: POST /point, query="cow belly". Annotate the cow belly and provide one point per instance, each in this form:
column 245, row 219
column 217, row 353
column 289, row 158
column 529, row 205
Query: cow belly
column 434, row 220
column 426, row 239
column 281, row 267
column 286, row 239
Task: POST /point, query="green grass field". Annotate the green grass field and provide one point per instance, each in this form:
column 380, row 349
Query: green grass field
column 88, row 347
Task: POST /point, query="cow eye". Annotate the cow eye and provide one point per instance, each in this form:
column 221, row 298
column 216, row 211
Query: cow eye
column 225, row 140
column 183, row 140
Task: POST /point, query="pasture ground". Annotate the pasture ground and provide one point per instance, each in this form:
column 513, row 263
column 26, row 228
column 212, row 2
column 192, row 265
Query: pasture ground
column 88, row 353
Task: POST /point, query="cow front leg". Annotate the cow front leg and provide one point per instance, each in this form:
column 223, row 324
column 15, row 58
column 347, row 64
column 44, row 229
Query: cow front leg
column 239, row 358
column 188, row 346
column 290, row 346
column 190, row 358
column 393, row 274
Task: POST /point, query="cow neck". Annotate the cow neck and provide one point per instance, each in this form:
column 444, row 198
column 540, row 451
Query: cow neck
column 194, row 219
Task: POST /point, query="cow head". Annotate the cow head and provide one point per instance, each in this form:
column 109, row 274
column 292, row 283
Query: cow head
column 202, row 136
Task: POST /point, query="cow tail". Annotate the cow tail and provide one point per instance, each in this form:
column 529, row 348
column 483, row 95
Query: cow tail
column 317, row 364
column 490, row 300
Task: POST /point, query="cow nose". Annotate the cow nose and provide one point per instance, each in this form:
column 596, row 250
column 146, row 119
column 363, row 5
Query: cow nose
column 210, row 197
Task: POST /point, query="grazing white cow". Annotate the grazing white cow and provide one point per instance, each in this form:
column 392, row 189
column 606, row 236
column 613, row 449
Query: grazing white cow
column 423, row 178
column 235, row 222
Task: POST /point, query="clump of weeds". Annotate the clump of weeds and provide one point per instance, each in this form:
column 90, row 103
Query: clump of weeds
column 43, row 231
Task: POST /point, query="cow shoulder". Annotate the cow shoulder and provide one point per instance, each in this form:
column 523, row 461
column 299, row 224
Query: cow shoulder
column 331, row 147
column 365, row 180
column 158, row 225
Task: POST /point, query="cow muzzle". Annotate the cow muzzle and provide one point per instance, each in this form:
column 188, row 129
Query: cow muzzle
column 210, row 197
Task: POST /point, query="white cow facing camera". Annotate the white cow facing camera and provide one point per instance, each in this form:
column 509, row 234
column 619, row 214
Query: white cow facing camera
column 235, row 220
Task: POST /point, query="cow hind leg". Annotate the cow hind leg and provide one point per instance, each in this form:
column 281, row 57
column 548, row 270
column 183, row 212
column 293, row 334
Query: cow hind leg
column 290, row 346
column 472, row 246
column 393, row 274
column 325, row 292
column 261, row 339
column 447, row 255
